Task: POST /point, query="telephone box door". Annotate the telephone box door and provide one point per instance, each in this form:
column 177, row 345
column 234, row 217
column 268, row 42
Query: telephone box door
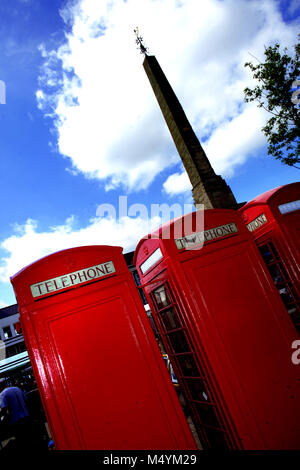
column 273, row 218
column 224, row 326
column 103, row 382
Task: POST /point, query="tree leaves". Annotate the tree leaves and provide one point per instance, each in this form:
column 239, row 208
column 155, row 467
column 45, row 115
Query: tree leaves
column 276, row 77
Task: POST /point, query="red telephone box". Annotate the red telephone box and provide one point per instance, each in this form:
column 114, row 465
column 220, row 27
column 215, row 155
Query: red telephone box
column 225, row 330
column 274, row 220
column 100, row 374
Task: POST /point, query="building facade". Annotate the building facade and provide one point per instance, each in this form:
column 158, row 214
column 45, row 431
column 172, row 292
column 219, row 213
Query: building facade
column 13, row 352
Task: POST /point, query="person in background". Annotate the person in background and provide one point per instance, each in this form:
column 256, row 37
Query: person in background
column 12, row 404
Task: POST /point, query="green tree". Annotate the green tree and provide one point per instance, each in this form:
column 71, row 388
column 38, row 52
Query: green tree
column 277, row 79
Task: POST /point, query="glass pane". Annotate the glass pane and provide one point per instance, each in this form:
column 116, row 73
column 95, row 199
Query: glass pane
column 188, row 366
column 276, row 274
column 293, row 292
column 266, row 254
column 295, row 317
column 216, row 438
column 292, row 310
column 289, row 207
column 207, row 414
column 151, row 261
column 285, row 295
column 179, row 342
column 170, row 319
column 162, row 297
column 198, row 390
column 274, row 250
column 283, row 271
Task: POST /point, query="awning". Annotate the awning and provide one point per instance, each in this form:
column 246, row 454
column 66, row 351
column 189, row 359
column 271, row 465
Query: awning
column 13, row 362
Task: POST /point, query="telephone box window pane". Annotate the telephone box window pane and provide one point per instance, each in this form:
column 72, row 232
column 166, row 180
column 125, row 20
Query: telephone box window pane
column 274, row 251
column 170, row 319
column 266, row 254
column 286, row 296
column 188, row 366
column 296, row 320
column 198, row 390
column 151, row 261
column 289, row 207
column 276, row 274
column 281, row 280
column 269, row 253
column 207, row 415
column 295, row 317
column 292, row 292
column 179, row 342
column 162, row 297
column 216, row 438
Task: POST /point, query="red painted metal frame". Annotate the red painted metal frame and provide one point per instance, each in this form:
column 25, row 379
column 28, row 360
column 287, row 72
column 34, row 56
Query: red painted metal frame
column 103, row 382
column 283, row 230
column 238, row 326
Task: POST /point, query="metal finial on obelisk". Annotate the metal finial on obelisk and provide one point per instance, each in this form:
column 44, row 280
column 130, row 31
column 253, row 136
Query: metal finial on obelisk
column 139, row 41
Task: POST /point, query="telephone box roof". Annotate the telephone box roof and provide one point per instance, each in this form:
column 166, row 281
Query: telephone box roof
column 168, row 227
column 266, row 197
column 62, row 253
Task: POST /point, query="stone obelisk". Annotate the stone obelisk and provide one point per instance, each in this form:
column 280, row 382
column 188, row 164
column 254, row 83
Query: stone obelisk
column 208, row 188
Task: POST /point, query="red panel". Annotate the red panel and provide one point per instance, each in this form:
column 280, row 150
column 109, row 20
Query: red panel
column 281, row 229
column 102, row 379
column 279, row 225
column 238, row 327
column 244, row 335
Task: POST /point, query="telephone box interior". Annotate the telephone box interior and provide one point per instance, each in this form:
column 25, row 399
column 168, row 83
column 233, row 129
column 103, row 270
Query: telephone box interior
column 225, row 330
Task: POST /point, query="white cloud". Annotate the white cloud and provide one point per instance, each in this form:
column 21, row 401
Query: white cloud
column 226, row 151
column 108, row 121
column 28, row 244
column 235, row 140
column 177, row 183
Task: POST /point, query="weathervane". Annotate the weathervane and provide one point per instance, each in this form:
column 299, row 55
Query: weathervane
column 139, row 42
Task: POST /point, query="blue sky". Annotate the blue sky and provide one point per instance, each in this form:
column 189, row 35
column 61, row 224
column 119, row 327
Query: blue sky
column 81, row 126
